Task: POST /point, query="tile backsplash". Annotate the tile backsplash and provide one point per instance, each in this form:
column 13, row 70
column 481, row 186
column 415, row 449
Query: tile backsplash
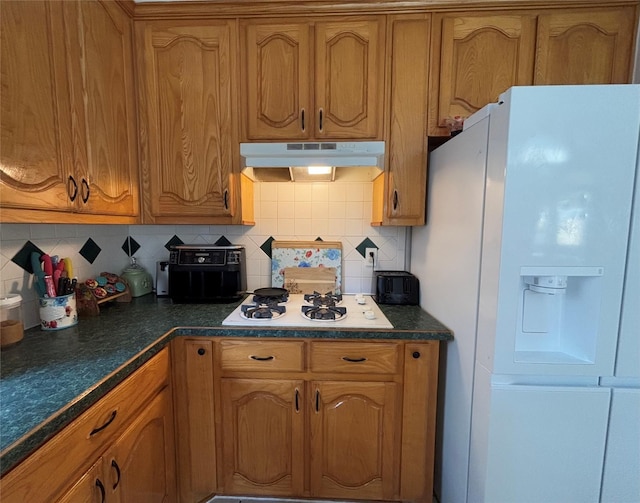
column 283, row 211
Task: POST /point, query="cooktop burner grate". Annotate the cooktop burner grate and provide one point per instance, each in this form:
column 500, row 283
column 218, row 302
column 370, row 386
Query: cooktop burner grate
column 324, row 313
column 319, row 299
column 263, row 311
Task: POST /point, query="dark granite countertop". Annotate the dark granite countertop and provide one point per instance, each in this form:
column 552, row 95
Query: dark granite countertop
column 50, row 378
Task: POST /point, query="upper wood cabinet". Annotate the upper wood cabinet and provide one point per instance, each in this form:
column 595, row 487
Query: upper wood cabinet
column 585, row 47
column 399, row 194
column 313, row 79
column 187, row 135
column 475, row 58
column 68, row 113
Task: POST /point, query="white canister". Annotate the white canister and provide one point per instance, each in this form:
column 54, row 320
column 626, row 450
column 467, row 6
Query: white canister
column 58, row 312
column 11, row 325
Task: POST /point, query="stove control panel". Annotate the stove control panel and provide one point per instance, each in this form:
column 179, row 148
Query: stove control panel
column 188, row 255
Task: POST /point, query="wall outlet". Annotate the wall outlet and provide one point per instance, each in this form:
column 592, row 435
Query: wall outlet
column 371, row 257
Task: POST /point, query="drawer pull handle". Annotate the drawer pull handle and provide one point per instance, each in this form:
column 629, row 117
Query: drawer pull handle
column 297, row 404
column 100, row 486
column 261, row 358
column 100, row 428
column 72, row 195
column 354, row 360
column 416, row 354
column 201, row 351
column 85, row 193
column 117, row 469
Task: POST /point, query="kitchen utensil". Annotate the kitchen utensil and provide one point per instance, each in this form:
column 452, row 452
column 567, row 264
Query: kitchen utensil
column 139, row 280
column 38, row 274
column 47, row 265
column 68, row 266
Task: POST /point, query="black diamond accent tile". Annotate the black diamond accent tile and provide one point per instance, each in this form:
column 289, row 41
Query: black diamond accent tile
column 223, row 242
column 174, row 241
column 23, row 257
column 266, row 246
column 90, row 250
column 130, row 246
column 319, row 239
column 362, row 247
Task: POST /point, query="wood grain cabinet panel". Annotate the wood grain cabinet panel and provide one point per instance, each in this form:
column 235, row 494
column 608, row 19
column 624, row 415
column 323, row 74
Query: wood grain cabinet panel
column 186, row 121
column 585, row 47
column 263, row 436
column 475, row 59
column 293, row 91
column 399, row 194
column 141, row 464
column 140, row 467
column 99, row 42
column 353, row 441
column 193, row 371
column 35, row 123
column 68, row 129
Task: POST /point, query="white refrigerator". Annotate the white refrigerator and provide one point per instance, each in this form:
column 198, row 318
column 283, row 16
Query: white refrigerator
column 531, row 256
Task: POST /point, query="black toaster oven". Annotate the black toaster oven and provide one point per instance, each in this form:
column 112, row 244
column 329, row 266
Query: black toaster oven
column 396, row 287
column 207, row 273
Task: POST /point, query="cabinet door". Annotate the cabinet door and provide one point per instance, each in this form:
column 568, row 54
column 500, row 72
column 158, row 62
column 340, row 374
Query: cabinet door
column 353, row 440
column 262, row 436
column 475, row 59
column 276, row 81
column 585, row 47
column 187, row 128
column 400, row 193
column 89, row 489
column 195, row 420
column 349, row 78
column 35, row 158
column 141, row 465
column 100, row 57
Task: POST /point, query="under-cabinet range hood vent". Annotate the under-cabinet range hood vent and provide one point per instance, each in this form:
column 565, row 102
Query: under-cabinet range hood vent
column 313, row 161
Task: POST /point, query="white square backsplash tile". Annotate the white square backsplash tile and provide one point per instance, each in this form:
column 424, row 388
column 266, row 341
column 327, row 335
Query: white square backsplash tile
column 284, row 211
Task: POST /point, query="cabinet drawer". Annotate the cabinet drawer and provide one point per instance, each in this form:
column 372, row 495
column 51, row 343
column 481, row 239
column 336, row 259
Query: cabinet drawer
column 262, row 355
column 58, row 463
column 354, row 357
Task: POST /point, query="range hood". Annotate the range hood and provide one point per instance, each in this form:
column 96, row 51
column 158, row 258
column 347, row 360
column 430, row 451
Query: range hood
column 343, row 161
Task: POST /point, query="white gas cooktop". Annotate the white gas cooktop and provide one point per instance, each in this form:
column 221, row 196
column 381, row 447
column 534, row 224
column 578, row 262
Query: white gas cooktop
column 362, row 312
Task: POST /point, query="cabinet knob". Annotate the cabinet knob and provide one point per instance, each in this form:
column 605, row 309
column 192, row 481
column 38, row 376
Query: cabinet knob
column 201, row 351
column 416, row 354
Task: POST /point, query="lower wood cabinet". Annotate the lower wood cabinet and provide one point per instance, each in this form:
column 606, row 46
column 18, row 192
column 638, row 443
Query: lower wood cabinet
column 263, row 424
column 122, row 449
column 312, row 418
